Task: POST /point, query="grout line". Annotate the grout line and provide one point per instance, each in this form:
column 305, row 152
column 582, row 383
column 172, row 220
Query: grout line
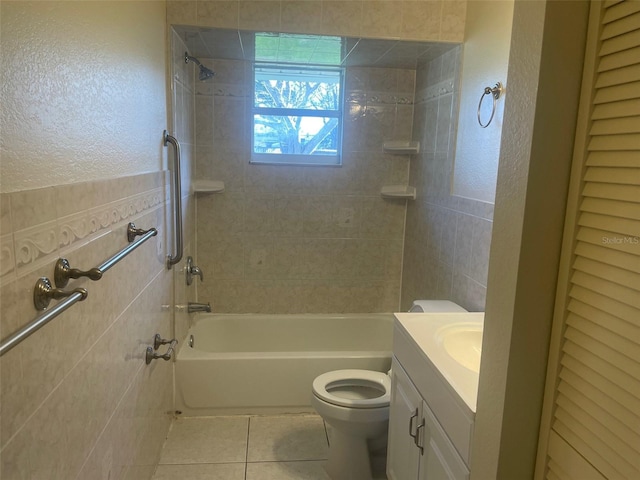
column 113, row 413
column 289, row 461
column 246, row 452
column 248, row 430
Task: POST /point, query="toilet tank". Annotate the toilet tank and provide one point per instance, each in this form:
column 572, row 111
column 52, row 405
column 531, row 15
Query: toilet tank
column 427, row 306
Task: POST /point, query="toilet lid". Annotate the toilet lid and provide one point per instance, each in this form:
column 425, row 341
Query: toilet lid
column 353, row 388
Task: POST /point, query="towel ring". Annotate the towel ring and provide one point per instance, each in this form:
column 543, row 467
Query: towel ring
column 495, row 92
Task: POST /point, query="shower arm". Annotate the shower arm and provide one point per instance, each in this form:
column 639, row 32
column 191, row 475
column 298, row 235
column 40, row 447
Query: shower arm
column 205, row 73
column 188, row 58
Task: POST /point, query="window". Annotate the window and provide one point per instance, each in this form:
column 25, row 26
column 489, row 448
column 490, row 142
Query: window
column 296, row 116
column 296, row 112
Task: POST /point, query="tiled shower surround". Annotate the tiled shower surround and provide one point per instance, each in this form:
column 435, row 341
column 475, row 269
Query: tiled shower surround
column 284, row 239
column 78, row 400
column 447, row 238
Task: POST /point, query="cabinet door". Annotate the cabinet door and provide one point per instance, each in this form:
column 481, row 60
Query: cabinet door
column 403, row 456
column 439, row 460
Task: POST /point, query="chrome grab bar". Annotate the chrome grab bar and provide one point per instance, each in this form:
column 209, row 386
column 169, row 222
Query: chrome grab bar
column 33, row 326
column 107, row 264
column 43, row 292
column 63, row 271
column 177, row 200
column 157, row 341
column 133, row 232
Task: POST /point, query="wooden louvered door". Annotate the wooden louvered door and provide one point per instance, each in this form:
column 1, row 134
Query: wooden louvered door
column 591, row 419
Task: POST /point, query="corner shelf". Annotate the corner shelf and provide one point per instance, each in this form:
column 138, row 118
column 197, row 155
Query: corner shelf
column 398, row 191
column 208, row 186
column 401, row 147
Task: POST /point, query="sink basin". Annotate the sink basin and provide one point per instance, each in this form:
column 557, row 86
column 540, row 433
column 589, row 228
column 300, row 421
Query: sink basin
column 463, row 343
column 450, row 342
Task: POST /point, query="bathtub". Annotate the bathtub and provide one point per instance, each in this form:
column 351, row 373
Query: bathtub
column 260, row 364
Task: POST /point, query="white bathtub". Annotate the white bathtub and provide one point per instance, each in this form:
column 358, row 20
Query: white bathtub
column 256, row 364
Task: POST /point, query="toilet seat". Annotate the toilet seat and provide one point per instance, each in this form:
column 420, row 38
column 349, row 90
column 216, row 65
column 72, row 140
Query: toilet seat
column 353, row 388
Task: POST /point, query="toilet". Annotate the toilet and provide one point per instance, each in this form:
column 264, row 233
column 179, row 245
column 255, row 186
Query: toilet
column 355, row 403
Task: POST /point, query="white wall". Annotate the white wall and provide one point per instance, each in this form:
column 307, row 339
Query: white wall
column 485, row 62
column 84, row 99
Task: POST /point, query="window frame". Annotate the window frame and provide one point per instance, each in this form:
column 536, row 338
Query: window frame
column 333, row 160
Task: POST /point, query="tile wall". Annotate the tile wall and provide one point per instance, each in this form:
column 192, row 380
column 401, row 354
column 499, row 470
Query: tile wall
column 77, row 400
column 447, row 237
column 435, row 20
column 284, row 239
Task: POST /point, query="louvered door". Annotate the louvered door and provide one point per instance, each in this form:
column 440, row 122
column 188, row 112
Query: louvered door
column 592, row 404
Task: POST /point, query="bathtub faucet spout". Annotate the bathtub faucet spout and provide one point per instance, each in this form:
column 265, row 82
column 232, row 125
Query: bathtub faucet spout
column 198, row 307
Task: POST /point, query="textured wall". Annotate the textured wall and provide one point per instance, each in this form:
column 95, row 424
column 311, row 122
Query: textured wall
column 302, row 239
column 485, row 62
column 447, row 238
column 531, row 195
column 83, row 95
column 436, row 20
column 83, row 90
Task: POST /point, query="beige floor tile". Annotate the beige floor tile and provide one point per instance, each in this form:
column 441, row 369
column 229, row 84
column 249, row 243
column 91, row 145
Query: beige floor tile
column 311, row 470
column 206, row 440
column 218, row 471
column 283, row 438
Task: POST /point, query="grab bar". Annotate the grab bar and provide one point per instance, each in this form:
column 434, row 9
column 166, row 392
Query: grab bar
column 43, row 292
column 107, row 264
column 133, row 232
column 63, row 271
column 13, row 340
column 177, row 200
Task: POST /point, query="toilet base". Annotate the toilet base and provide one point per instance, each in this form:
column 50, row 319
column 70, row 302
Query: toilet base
column 348, row 458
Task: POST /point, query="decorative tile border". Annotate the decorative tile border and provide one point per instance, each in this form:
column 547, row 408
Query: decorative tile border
column 7, row 258
column 72, row 228
column 33, row 245
column 378, row 98
column 222, row 90
column 120, row 211
column 371, row 98
column 38, row 245
column 438, row 90
column 363, row 98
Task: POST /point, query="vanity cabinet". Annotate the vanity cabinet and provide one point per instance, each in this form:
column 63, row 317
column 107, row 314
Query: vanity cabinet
column 419, row 448
column 405, row 410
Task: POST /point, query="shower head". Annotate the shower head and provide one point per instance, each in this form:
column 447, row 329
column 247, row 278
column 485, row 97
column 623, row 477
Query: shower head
column 205, row 73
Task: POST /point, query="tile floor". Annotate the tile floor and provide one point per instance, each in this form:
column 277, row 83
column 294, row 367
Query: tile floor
column 284, row 447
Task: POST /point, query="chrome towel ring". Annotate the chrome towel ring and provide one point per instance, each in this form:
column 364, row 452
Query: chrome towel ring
column 495, row 92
